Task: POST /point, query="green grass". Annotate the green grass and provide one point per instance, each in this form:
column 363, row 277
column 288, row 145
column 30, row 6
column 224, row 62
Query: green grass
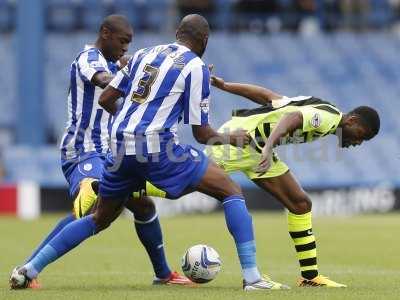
column 362, row 252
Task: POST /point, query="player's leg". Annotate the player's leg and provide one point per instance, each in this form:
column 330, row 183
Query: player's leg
column 34, row 284
column 183, row 169
column 146, row 224
column 81, row 178
column 288, row 191
column 68, row 238
column 57, row 228
column 216, row 183
column 149, row 231
column 107, row 209
column 84, row 190
column 84, row 199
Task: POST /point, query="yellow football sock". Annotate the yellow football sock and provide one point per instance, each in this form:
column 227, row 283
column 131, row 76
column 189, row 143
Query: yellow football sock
column 300, row 229
column 85, row 199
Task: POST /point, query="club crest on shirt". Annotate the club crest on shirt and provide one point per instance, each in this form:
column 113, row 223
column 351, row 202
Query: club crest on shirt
column 194, row 152
column 316, row 120
column 96, row 64
column 87, row 167
column 204, row 105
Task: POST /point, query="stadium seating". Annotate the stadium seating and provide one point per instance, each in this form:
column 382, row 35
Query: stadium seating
column 7, row 15
column 62, row 15
column 67, row 15
column 7, row 81
column 320, row 65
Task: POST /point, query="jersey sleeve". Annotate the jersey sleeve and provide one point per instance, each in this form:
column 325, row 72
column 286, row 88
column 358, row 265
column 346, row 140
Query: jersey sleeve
column 197, row 96
column 315, row 119
column 123, row 79
column 91, row 62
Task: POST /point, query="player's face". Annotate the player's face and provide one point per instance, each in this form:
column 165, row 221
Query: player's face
column 353, row 134
column 119, row 42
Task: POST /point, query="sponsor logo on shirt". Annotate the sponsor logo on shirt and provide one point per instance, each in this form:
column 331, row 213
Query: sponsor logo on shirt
column 316, row 120
column 204, row 105
column 96, row 64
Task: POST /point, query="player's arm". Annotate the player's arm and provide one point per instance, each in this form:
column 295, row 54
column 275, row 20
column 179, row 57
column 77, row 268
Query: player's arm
column 102, row 79
column 108, row 99
column 123, row 61
column 196, row 97
column 252, row 92
column 93, row 68
column 287, row 125
column 117, row 88
column 208, row 136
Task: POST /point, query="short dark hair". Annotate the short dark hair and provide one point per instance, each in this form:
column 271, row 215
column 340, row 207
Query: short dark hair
column 193, row 28
column 369, row 118
column 115, row 22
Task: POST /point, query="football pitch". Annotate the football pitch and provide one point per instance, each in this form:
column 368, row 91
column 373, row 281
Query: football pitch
column 362, row 252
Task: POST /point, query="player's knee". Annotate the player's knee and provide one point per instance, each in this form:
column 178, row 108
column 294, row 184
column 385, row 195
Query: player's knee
column 104, row 216
column 301, row 204
column 217, row 184
column 143, row 207
column 101, row 222
column 236, row 189
column 229, row 188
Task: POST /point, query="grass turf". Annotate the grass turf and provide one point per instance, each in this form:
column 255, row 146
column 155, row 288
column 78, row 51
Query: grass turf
column 362, row 252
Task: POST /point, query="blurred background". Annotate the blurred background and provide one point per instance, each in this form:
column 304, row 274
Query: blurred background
column 344, row 51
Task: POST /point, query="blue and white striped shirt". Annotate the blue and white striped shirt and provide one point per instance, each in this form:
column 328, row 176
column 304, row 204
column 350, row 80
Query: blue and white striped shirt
column 87, row 125
column 161, row 85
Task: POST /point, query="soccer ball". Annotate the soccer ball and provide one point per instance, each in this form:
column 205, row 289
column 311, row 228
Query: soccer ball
column 201, row 263
column 18, row 280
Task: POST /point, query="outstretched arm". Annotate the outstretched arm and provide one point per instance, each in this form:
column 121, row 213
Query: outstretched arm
column 252, row 92
column 207, row 135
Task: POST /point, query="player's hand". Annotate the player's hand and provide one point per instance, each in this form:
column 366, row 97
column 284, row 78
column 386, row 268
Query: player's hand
column 239, row 138
column 217, row 82
column 266, row 160
column 123, row 61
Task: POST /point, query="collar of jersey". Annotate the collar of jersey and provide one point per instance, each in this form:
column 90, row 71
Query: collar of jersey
column 88, row 47
column 333, row 130
column 184, row 47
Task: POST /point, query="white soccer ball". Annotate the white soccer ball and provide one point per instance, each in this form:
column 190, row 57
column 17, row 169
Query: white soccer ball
column 17, row 280
column 201, row 263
